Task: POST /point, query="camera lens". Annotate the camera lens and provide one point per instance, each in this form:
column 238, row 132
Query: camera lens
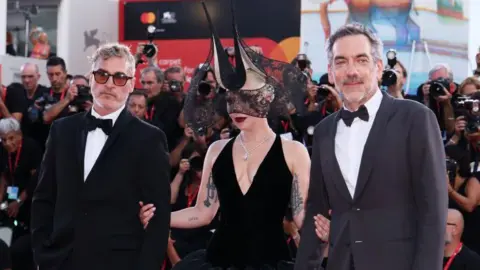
column 389, row 77
column 204, row 88
column 149, row 50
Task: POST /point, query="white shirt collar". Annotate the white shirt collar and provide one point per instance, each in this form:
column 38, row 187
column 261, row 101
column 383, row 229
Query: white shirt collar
column 114, row 115
column 373, row 104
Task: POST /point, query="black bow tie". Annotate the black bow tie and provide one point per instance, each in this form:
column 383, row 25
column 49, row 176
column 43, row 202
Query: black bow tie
column 105, row 124
column 348, row 116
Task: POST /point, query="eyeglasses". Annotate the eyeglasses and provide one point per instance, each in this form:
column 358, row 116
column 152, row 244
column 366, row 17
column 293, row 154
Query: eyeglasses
column 119, row 78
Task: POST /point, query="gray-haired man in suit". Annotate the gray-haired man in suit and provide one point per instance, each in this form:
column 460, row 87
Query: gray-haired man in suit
column 379, row 165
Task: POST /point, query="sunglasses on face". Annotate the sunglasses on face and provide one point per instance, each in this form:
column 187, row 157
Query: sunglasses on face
column 119, row 78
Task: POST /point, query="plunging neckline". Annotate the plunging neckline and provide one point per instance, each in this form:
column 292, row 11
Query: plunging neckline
column 237, row 183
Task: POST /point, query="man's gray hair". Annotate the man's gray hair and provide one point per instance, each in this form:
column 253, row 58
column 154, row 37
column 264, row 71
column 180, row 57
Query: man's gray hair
column 439, row 67
column 8, row 125
column 156, row 70
column 353, row 30
column 110, row 50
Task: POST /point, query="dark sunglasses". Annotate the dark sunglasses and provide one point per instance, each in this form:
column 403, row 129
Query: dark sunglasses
column 119, row 78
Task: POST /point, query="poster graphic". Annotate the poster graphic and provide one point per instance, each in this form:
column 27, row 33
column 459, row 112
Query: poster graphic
column 423, row 32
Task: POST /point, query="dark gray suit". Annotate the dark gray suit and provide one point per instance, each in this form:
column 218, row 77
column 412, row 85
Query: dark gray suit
column 397, row 218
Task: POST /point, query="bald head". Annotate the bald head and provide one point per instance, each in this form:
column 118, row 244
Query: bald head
column 30, row 76
column 455, row 217
column 29, row 67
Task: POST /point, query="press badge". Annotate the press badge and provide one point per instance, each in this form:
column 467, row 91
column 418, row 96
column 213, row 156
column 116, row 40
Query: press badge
column 12, row 193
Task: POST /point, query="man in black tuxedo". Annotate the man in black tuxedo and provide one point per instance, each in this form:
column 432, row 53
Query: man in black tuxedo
column 97, row 167
column 379, row 166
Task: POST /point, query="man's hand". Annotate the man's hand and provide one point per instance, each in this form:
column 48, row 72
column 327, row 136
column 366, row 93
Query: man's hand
column 188, row 132
column 322, row 227
column 146, row 213
column 426, row 89
column 445, row 97
column 12, row 209
column 460, row 125
column 72, row 92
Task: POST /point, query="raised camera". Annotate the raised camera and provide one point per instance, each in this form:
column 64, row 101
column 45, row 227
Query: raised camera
column 175, row 86
column 204, row 88
column 150, row 50
column 437, row 86
column 389, row 76
column 470, row 110
column 302, row 61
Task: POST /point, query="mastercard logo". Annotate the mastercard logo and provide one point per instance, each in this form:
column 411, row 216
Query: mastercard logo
column 147, row 17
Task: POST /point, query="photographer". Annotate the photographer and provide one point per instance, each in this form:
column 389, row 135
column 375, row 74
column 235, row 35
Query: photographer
column 19, row 159
column 185, row 188
column 464, row 191
column 54, row 104
column 303, row 63
column 321, row 101
column 163, row 107
column 174, row 83
column 470, row 88
column 439, row 94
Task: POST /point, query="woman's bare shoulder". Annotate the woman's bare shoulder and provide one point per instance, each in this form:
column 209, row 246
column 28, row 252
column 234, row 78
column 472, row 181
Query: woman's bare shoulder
column 215, row 149
column 294, row 152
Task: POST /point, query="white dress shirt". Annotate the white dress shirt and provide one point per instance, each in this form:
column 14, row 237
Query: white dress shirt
column 95, row 141
column 350, row 141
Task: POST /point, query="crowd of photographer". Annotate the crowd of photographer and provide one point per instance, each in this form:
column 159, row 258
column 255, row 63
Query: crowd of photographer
column 27, row 109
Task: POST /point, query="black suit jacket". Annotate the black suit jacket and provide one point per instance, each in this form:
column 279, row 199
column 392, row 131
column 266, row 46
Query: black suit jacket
column 94, row 224
column 397, row 218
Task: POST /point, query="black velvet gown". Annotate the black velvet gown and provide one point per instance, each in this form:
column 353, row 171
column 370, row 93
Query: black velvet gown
column 250, row 233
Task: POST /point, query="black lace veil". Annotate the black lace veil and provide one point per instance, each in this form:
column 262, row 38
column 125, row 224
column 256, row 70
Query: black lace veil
column 289, row 82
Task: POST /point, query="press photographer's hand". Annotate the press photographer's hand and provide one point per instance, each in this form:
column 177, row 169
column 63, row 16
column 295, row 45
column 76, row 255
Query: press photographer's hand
column 445, row 97
column 72, row 92
column 460, row 125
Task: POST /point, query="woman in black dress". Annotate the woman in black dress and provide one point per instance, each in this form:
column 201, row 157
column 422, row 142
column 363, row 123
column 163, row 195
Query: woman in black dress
column 252, row 178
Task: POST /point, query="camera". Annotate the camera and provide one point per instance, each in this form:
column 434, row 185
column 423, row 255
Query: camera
column 82, row 97
column 302, row 61
column 389, row 76
column 204, row 88
column 196, row 163
column 175, row 86
column 323, row 91
column 470, row 110
column 150, row 50
column 451, row 169
column 41, row 104
column 436, row 87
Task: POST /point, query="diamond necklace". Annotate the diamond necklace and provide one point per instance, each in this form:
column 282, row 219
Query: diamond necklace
column 247, row 153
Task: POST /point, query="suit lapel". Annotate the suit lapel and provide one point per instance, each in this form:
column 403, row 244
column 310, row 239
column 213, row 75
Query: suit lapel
column 119, row 126
column 374, row 142
column 81, row 140
column 331, row 159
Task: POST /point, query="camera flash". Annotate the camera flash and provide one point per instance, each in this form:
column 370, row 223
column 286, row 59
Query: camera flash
column 391, row 54
column 151, row 29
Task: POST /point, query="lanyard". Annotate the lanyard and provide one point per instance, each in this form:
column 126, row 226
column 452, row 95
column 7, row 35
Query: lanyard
column 149, row 115
column 285, row 125
column 191, row 195
column 455, row 253
column 17, row 159
column 61, row 96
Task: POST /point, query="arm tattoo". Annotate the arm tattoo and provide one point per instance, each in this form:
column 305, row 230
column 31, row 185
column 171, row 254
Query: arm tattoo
column 192, row 218
column 296, row 202
column 211, row 192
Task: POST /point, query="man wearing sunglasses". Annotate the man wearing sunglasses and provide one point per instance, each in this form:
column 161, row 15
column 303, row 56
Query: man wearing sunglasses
column 97, row 166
